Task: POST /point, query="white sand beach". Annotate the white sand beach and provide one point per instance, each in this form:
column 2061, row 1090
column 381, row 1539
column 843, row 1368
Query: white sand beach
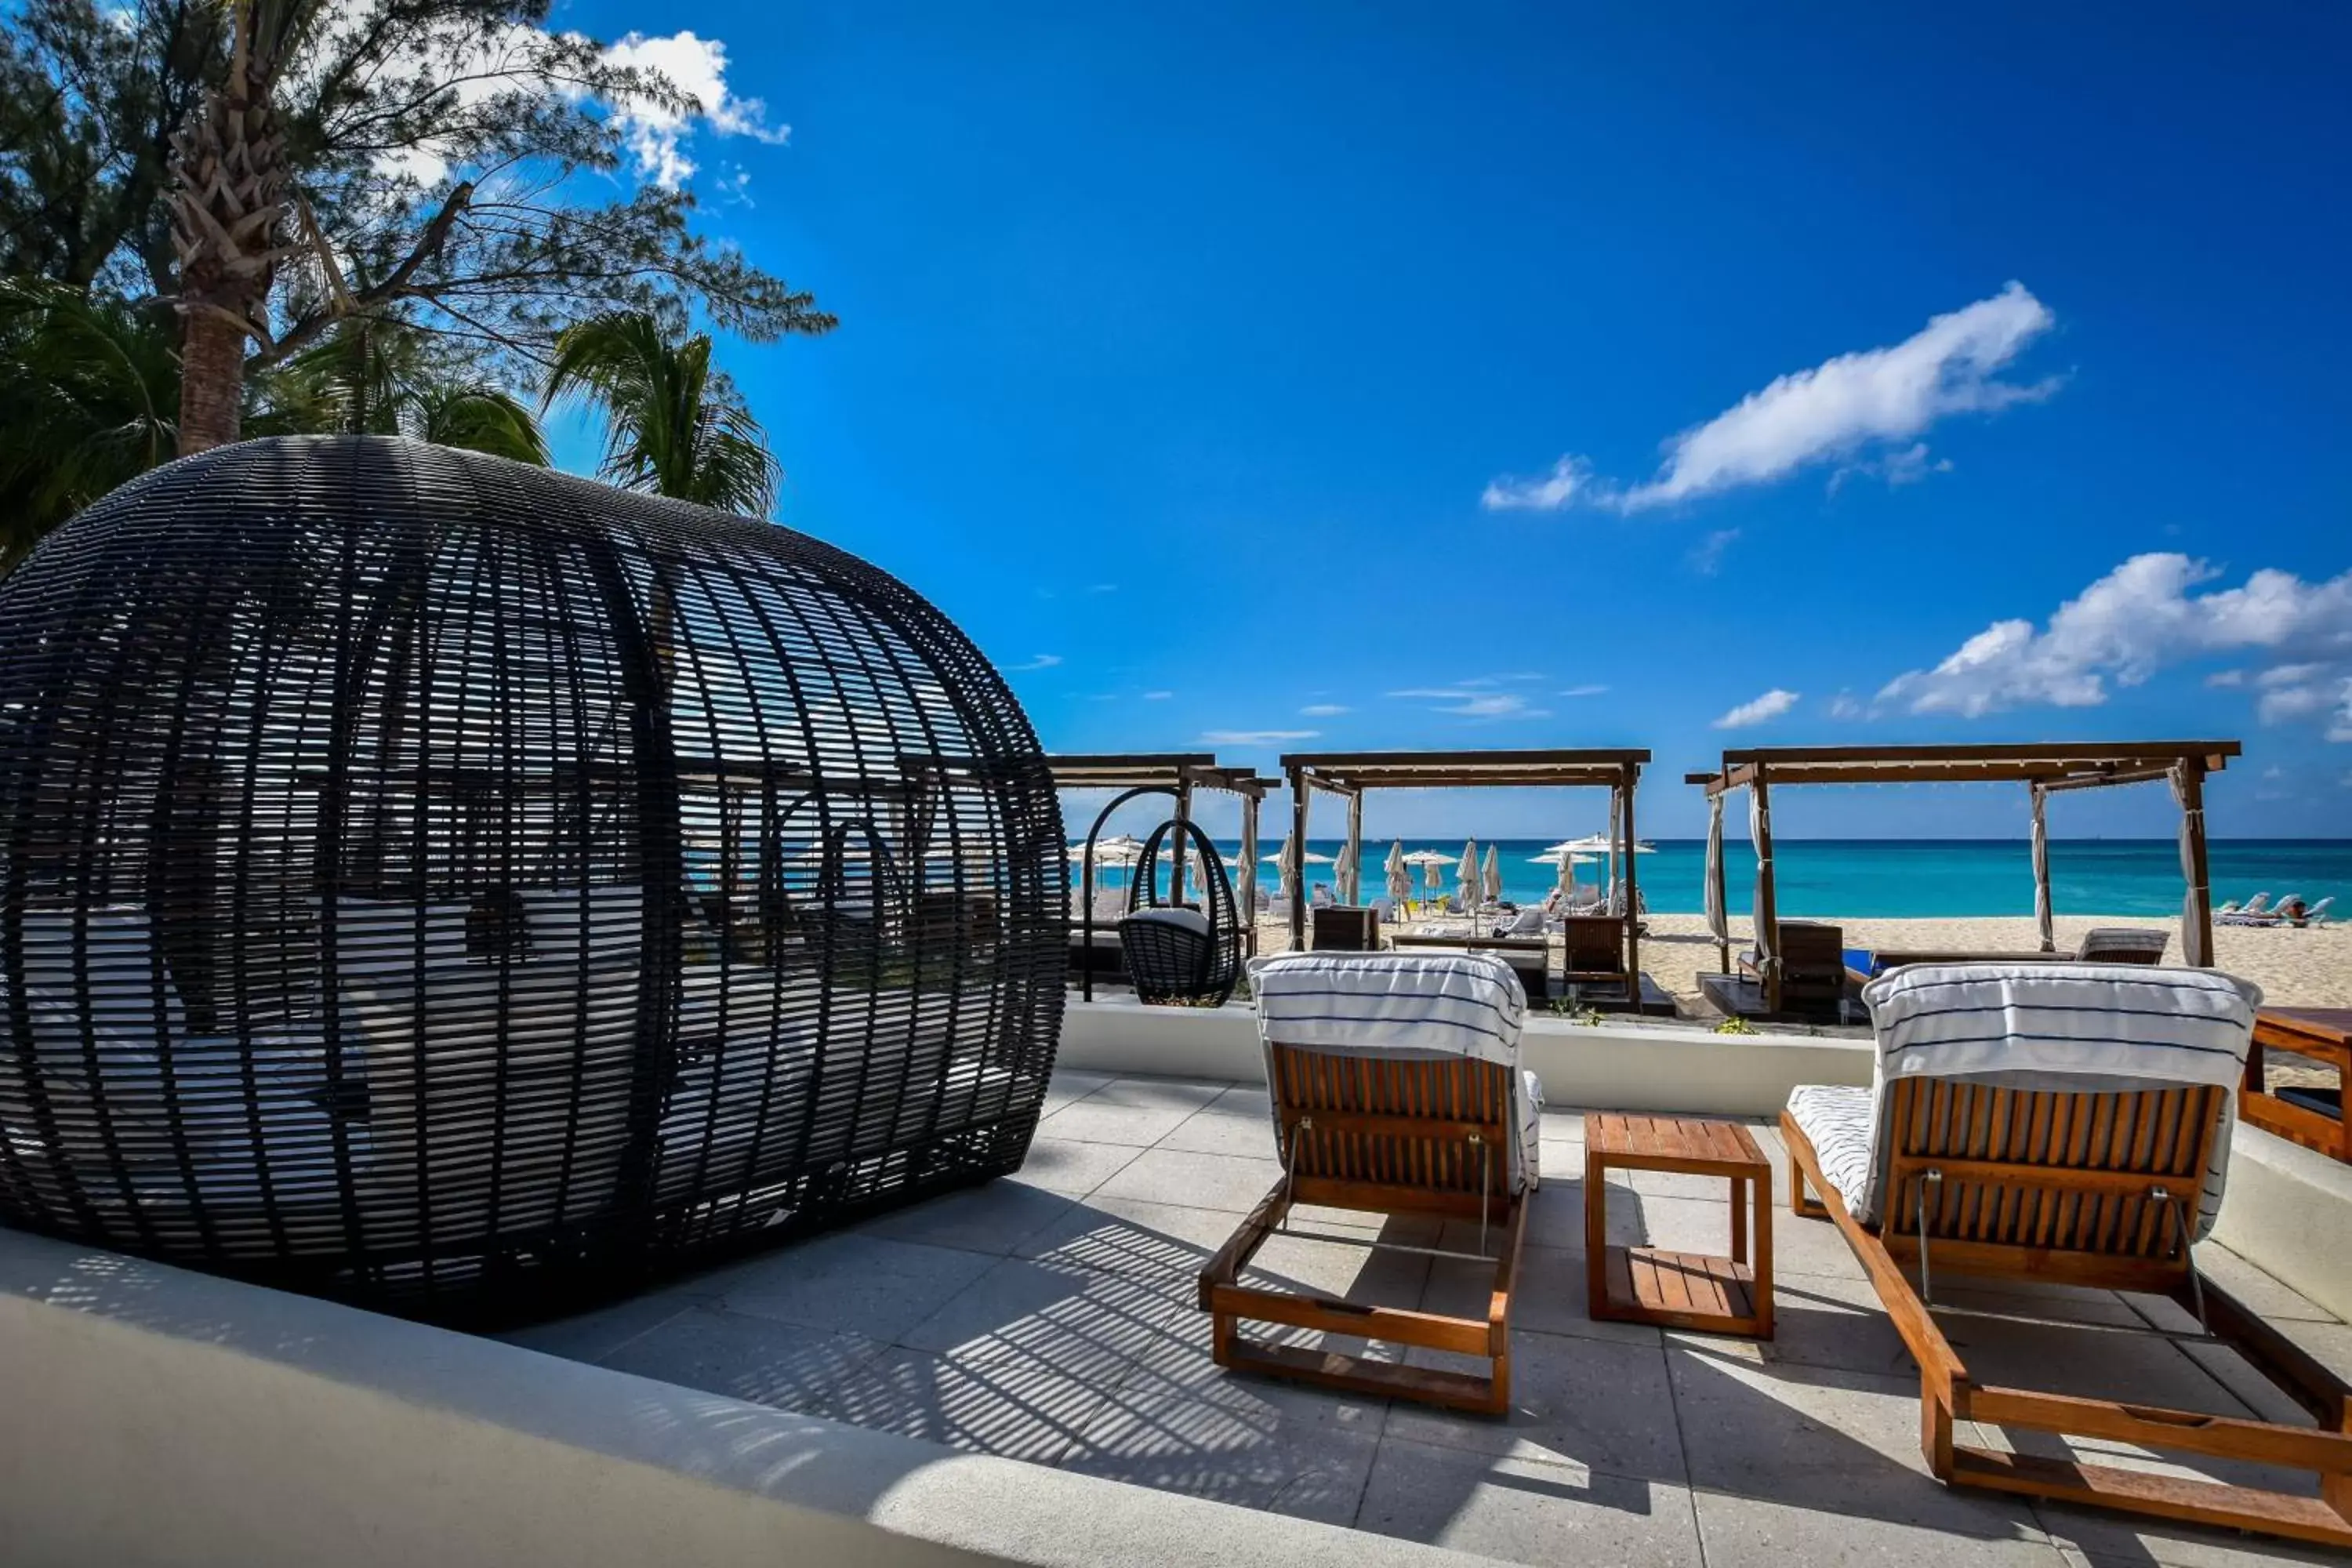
column 2306, row 968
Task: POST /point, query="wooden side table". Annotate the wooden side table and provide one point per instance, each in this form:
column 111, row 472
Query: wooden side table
column 1680, row 1289
column 2312, row 1118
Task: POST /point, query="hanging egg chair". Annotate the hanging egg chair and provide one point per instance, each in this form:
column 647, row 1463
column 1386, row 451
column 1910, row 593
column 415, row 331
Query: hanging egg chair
column 1177, row 954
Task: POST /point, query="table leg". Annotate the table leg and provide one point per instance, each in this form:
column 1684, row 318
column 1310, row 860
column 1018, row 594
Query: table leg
column 1596, row 1234
column 1739, row 1219
column 1764, row 1258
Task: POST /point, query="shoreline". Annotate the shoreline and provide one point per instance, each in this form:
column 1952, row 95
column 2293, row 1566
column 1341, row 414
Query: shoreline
column 2311, row 967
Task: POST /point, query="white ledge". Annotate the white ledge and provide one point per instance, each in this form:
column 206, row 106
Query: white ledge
column 153, row 1415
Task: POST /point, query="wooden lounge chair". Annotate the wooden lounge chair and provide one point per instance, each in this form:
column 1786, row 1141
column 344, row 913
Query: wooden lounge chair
column 2079, row 1140
column 1813, row 966
column 1596, row 948
column 2122, row 945
column 1396, row 1090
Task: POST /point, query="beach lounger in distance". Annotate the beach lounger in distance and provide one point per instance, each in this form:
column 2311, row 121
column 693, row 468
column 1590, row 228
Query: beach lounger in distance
column 2064, row 1123
column 1396, row 1090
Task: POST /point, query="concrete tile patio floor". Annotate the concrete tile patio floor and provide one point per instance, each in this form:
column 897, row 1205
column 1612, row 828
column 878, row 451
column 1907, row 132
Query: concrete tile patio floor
column 1050, row 1317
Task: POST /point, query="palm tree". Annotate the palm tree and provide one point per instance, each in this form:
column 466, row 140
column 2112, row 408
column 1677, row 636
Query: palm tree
column 673, row 425
column 380, row 375
column 88, row 388
column 229, row 216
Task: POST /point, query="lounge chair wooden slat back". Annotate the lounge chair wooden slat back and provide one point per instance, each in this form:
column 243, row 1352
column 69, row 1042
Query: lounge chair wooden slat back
column 1385, row 1132
column 2047, row 1183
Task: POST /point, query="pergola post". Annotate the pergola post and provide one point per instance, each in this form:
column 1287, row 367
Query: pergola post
column 1633, row 884
column 1295, row 862
column 2197, row 911
column 1249, row 870
column 1181, row 843
column 1767, row 914
column 1356, row 840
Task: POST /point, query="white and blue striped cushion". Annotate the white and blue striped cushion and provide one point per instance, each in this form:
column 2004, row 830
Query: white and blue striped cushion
column 1837, row 1121
column 1404, row 1004
column 2063, row 1028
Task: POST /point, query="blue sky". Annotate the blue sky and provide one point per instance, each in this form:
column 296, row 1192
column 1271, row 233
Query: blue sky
column 1680, row 378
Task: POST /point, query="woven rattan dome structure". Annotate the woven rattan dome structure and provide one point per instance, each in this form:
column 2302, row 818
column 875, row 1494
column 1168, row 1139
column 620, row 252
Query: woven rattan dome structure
column 445, row 883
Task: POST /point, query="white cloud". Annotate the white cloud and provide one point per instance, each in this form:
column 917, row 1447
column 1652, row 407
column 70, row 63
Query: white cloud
column 1771, row 705
column 1838, row 411
column 1568, row 479
column 1476, row 698
column 1323, row 710
column 1255, row 737
column 1907, row 466
column 1584, row 691
column 1844, row 706
column 2223, row 678
column 2339, row 723
column 1158, row 695
column 695, row 66
column 501, row 61
column 2283, row 703
column 1102, row 587
column 1706, row 556
column 1036, row 661
column 2124, row 628
column 2288, row 675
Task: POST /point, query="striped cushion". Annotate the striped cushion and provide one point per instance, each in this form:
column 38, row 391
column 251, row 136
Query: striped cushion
column 2069, row 1028
column 1404, row 1004
column 1466, row 1004
column 1837, row 1122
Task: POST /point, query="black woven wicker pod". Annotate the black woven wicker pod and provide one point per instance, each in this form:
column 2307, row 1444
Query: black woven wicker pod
column 434, row 880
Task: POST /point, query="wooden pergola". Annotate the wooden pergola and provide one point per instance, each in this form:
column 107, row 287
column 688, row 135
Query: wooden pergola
column 1177, row 774
column 2044, row 769
column 1349, row 774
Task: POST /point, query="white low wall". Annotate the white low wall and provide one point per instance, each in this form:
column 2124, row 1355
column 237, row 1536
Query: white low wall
column 2289, row 1212
column 153, row 1415
column 1605, row 1067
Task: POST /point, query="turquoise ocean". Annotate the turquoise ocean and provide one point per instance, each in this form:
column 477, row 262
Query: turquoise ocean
column 1889, row 877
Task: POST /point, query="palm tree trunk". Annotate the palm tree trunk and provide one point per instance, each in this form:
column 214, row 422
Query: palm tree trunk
column 212, row 382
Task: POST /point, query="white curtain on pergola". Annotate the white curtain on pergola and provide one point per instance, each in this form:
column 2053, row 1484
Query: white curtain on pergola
column 1760, row 833
column 1348, row 878
column 1286, row 869
column 2196, row 940
column 2041, row 868
column 1716, row 921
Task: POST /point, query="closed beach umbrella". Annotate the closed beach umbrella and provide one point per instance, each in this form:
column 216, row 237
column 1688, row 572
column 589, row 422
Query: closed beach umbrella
column 2042, row 870
column 1494, row 875
column 1567, row 873
column 1351, row 877
column 1400, row 878
column 1465, row 875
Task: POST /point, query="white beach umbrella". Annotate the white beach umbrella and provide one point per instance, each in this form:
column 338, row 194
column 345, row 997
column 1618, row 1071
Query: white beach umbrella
column 1465, row 875
column 1350, row 876
column 1400, row 876
column 1494, row 875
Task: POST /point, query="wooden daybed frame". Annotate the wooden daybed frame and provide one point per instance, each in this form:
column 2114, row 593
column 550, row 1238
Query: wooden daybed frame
column 2086, row 1212
column 1382, row 1136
